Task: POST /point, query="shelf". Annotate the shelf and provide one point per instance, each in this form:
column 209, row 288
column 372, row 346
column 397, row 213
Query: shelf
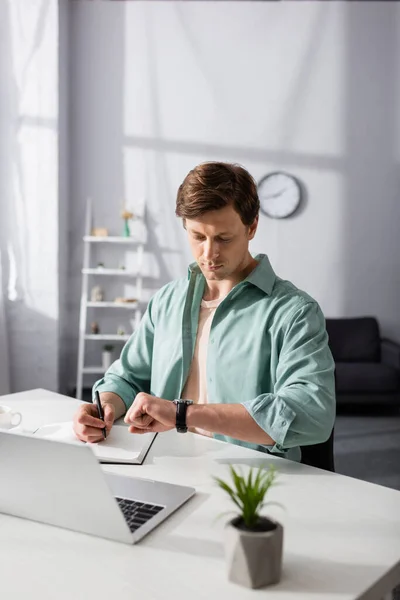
column 93, row 370
column 111, row 239
column 109, row 272
column 112, row 304
column 107, row 336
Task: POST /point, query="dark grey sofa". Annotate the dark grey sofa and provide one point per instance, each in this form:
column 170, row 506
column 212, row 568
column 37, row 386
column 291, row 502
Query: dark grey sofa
column 367, row 367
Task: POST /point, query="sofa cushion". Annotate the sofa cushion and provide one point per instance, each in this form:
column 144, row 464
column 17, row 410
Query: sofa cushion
column 354, row 340
column 366, row 377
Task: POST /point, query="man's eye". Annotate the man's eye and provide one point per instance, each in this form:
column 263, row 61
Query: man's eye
column 226, row 241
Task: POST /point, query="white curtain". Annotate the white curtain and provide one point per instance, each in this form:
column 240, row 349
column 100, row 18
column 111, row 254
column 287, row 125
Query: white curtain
column 4, row 358
column 7, row 133
column 28, row 194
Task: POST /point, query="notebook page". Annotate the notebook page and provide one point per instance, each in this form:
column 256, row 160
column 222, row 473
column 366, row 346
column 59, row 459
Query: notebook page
column 120, row 445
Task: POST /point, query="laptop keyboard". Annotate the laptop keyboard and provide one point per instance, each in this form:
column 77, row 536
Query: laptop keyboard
column 137, row 513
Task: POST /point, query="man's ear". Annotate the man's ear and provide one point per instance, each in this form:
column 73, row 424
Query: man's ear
column 253, row 228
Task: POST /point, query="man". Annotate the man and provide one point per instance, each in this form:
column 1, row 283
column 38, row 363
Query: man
column 249, row 349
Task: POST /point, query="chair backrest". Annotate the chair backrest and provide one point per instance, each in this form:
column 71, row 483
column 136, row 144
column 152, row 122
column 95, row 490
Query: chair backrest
column 319, row 455
column 354, row 339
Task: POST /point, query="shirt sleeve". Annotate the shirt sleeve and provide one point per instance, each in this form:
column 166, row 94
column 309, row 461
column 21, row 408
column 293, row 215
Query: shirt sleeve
column 301, row 410
column 131, row 373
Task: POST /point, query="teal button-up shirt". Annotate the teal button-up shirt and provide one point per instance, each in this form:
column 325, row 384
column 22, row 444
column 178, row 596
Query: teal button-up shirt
column 268, row 350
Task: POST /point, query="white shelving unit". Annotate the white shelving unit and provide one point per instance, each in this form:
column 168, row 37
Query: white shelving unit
column 107, row 336
column 129, row 305
column 87, row 273
column 102, row 271
column 109, row 239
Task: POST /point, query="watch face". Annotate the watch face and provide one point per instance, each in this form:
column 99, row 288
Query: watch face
column 279, row 194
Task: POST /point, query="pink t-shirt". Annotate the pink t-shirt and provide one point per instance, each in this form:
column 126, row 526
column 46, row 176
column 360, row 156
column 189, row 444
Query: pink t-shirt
column 196, row 384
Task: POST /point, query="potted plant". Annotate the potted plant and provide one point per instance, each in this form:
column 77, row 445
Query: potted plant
column 107, row 356
column 253, row 543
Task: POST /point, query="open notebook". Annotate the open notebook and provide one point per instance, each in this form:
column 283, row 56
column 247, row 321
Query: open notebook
column 120, row 447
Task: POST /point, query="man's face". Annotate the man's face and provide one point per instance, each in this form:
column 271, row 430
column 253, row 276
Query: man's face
column 220, row 242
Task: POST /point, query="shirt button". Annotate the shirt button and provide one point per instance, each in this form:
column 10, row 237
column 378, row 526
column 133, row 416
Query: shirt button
column 212, row 340
column 210, row 380
column 283, row 423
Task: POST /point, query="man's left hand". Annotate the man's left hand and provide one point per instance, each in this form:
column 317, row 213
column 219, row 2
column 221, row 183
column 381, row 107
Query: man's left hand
column 150, row 414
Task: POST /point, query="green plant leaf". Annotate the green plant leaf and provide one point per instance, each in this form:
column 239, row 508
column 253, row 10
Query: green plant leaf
column 250, row 479
column 271, row 503
column 229, row 491
column 239, row 483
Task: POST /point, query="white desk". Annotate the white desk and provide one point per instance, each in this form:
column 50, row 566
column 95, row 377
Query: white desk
column 342, row 536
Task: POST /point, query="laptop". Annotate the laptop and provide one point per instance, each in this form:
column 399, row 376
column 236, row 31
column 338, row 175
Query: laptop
column 62, row 484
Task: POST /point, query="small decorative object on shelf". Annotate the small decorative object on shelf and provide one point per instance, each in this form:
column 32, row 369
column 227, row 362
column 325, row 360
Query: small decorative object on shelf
column 253, row 543
column 107, row 356
column 121, row 300
column 126, row 215
column 100, row 265
column 120, row 331
column 97, row 294
column 94, row 327
column 99, row 232
column 122, row 267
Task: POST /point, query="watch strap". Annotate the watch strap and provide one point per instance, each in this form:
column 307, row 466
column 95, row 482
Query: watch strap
column 181, row 409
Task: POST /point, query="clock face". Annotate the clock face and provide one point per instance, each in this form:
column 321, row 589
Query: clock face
column 279, row 194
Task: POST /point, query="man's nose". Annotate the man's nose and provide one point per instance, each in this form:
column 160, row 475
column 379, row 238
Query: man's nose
column 211, row 250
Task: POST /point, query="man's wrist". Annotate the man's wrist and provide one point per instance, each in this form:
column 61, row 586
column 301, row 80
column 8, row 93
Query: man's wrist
column 191, row 414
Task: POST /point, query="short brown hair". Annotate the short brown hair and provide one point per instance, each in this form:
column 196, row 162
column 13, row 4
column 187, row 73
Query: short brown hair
column 214, row 185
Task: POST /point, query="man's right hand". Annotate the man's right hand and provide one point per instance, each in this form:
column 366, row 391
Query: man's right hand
column 88, row 427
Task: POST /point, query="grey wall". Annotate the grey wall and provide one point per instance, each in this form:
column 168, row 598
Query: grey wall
column 310, row 88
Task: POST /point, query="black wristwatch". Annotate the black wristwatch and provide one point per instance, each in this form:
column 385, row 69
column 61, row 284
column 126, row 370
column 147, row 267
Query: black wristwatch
column 181, row 408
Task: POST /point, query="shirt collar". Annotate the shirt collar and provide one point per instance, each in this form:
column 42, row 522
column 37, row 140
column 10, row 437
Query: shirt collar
column 263, row 276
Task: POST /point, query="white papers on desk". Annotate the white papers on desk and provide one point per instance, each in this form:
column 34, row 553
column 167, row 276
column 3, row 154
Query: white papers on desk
column 119, row 447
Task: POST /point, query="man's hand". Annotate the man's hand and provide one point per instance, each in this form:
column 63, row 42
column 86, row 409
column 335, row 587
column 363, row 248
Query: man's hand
column 88, row 427
column 150, row 414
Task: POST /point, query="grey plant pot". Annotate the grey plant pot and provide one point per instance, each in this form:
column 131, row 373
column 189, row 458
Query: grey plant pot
column 254, row 559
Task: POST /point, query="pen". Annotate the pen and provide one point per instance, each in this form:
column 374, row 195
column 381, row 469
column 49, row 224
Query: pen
column 100, row 411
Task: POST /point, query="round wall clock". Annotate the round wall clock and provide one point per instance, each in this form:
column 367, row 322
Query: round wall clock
column 280, row 194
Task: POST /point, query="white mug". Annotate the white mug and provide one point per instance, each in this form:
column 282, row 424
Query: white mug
column 9, row 418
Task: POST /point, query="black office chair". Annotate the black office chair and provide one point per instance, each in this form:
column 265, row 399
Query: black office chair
column 319, row 455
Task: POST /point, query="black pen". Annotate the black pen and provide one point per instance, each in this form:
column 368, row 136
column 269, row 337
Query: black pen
column 100, row 411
